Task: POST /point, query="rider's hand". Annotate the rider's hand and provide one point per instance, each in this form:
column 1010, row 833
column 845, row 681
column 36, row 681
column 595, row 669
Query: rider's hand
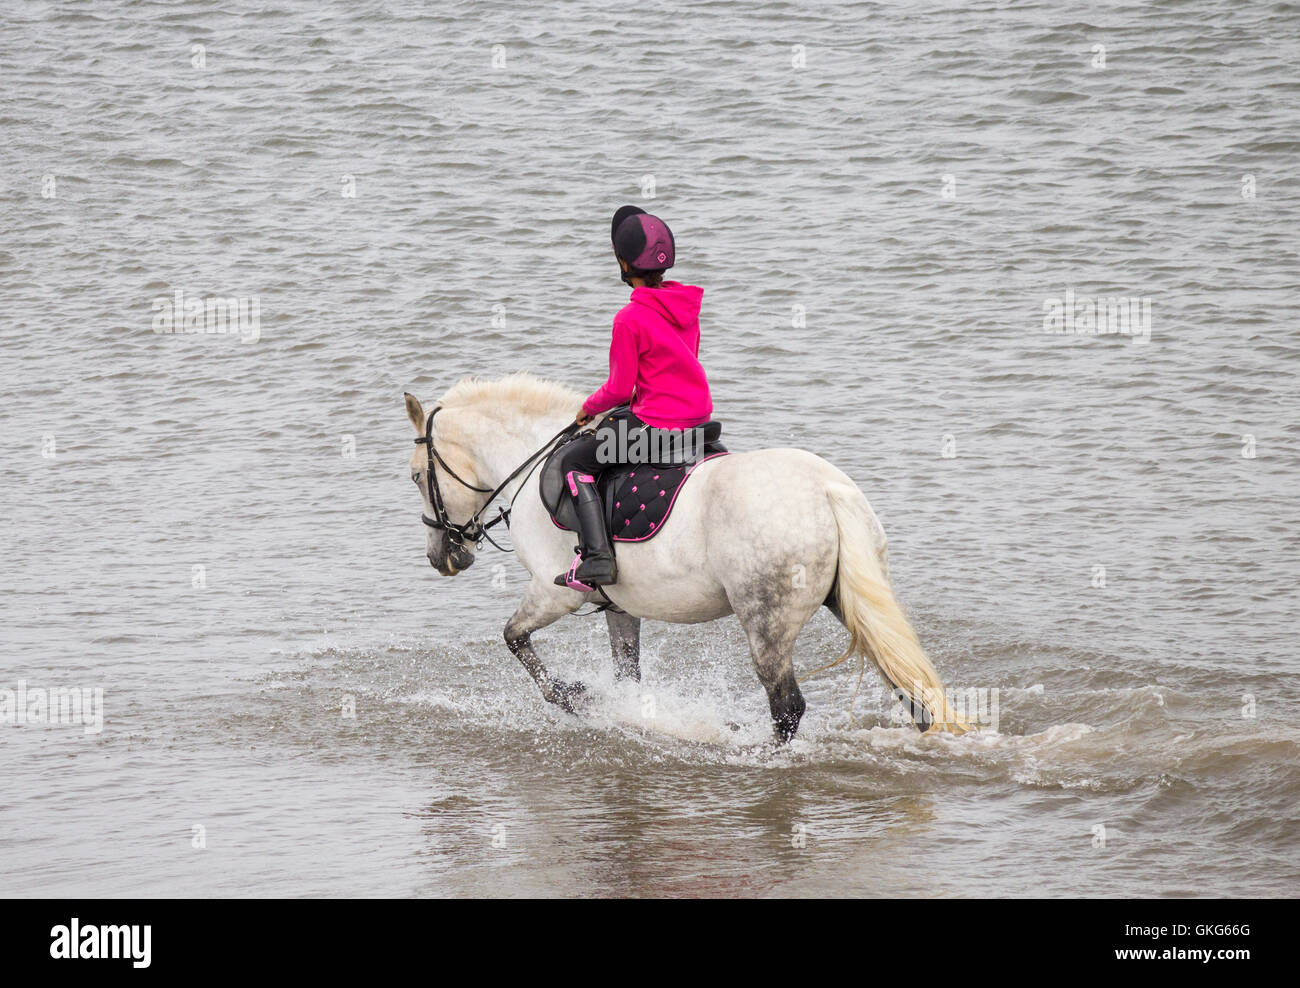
column 582, row 418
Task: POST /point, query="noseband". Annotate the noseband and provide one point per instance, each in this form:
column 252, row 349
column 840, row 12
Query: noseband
column 474, row 531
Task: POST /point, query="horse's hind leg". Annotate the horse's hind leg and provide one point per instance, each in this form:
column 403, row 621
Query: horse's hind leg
column 771, row 635
column 543, row 604
column 625, row 643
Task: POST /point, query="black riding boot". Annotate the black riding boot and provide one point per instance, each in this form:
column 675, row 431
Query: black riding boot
column 594, row 565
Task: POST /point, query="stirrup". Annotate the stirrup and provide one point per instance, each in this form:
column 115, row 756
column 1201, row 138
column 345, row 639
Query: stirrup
column 570, row 579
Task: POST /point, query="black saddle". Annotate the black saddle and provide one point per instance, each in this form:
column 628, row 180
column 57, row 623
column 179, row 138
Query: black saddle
column 638, row 497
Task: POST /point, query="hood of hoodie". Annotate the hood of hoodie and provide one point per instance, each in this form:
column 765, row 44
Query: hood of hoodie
column 678, row 303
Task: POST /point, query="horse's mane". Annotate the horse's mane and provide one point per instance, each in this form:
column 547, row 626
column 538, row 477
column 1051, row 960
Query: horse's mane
column 530, row 395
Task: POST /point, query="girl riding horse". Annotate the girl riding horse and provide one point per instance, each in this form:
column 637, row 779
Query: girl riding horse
column 653, row 364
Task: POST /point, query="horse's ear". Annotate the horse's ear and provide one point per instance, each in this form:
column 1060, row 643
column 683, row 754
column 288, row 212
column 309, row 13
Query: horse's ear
column 415, row 411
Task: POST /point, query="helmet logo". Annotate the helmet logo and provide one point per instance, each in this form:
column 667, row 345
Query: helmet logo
column 663, row 256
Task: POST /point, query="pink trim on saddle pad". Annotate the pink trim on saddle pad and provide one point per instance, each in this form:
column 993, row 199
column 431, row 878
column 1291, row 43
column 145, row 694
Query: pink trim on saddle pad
column 654, row 529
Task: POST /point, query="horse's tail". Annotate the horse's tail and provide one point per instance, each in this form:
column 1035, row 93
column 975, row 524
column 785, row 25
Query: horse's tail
column 878, row 628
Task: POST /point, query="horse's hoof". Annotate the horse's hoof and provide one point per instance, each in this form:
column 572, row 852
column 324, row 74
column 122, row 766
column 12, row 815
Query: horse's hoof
column 567, row 695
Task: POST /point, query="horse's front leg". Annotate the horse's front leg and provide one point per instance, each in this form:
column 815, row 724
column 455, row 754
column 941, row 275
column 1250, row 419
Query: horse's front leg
column 543, row 604
column 625, row 643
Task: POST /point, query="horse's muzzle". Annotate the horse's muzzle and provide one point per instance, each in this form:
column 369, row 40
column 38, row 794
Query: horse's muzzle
column 450, row 563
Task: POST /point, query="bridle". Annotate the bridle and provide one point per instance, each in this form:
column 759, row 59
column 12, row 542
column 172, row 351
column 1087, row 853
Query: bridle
column 473, row 531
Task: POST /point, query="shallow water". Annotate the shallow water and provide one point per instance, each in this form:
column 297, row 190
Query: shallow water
column 1146, row 739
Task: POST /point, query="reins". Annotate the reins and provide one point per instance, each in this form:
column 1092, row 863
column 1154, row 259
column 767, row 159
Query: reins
column 474, row 531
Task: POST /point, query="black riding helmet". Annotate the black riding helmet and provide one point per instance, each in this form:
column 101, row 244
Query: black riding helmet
column 644, row 241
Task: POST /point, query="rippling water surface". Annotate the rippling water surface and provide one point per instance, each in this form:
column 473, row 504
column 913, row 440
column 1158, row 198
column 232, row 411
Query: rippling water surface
column 878, row 219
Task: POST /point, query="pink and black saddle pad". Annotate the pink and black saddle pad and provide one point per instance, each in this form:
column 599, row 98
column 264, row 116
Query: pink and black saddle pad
column 638, row 498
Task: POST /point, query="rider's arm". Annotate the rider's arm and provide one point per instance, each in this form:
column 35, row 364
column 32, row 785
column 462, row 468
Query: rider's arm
column 622, row 371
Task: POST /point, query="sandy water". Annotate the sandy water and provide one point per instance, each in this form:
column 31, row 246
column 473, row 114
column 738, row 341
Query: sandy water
column 877, row 228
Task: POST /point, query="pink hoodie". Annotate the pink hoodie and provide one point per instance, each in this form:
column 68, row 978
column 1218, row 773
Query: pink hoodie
column 653, row 359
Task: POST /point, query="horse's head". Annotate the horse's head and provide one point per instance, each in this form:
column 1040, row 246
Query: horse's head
column 448, row 484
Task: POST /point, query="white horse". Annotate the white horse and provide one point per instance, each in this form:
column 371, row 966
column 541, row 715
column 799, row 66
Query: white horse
column 769, row 536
